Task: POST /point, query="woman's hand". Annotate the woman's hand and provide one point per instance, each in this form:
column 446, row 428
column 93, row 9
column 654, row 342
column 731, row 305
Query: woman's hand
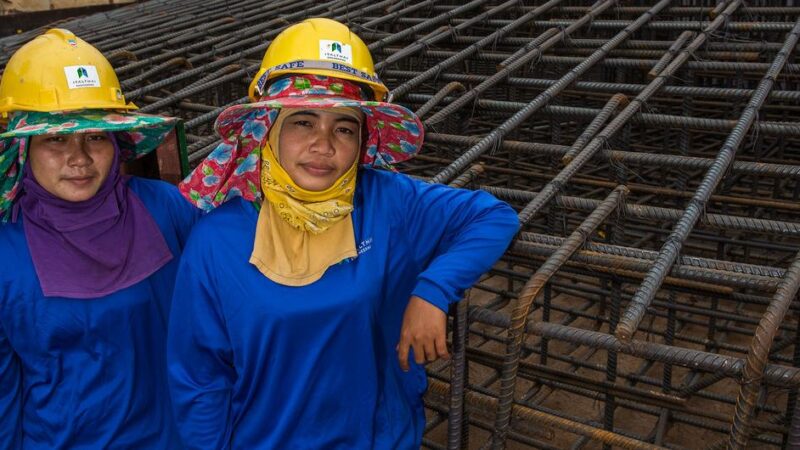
column 423, row 329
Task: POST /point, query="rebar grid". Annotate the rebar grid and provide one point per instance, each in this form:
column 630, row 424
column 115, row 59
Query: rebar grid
column 663, row 317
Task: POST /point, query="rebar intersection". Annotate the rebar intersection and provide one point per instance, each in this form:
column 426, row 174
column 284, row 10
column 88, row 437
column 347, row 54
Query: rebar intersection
column 651, row 149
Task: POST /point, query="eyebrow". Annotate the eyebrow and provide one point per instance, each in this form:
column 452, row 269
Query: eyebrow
column 342, row 118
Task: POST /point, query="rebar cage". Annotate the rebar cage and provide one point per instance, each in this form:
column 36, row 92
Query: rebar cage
column 651, row 149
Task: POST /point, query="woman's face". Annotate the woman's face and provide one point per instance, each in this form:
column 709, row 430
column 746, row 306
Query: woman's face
column 72, row 167
column 316, row 147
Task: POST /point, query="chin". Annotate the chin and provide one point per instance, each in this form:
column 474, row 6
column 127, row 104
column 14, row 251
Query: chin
column 316, row 185
column 76, row 196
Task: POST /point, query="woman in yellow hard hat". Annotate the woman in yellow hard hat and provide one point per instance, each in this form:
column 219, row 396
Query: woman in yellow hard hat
column 88, row 257
column 306, row 287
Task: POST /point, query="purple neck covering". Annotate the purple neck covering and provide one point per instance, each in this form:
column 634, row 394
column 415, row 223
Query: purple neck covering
column 95, row 247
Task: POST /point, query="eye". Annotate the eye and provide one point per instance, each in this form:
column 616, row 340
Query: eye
column 96, row 137
column 302, row 123
column 55, row 139
column 349, row 129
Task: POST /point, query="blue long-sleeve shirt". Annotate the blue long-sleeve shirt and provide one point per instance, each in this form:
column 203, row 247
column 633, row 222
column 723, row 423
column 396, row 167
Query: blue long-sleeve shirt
column 89, row 373
column 256, row 365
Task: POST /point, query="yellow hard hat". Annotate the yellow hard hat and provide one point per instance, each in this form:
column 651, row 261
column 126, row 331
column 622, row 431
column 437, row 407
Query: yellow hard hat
column 58, row 71
column 318, row 47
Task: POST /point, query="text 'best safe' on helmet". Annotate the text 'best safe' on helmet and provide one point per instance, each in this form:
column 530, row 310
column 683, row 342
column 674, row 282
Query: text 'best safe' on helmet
column 57, row 71
column 318, row 47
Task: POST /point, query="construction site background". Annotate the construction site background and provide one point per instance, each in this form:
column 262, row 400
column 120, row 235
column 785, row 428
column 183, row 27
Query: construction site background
column 17, row 16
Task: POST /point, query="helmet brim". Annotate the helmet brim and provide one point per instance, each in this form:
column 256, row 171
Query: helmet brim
column 138, row 133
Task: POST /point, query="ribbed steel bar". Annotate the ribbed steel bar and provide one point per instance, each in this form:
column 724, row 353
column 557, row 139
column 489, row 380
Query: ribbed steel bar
column 650, row 64
column 758, row 354
column 671, row 52
column 516, row 332
column 678, row 162
column 456, row 435
column 449, row 32
column 697, row 11
column 597, row 86
column 394, row 15
column 610, row 107
column 634, row 313
column 657, row 25
column 716, row 365
column 791, row 129
column 494, row 37
column 194, row 58
column 536, row 50
column 705, row 361
column 453, row 86
column 734, row 268
column 646, row 212
column 448, row 16
column 498, row 133
column 794, row 431
column 638, row 44
column 555, row 185
column 677, row 25
column 485, row 402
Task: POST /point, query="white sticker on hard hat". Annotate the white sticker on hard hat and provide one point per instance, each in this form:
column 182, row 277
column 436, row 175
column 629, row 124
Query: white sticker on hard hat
column 336, row 51
column 81, row 77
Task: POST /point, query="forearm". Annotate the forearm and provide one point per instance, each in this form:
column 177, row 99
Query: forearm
column 472, row 250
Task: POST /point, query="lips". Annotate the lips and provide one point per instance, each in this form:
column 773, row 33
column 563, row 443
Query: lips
column 317, row 169
column 80, row 181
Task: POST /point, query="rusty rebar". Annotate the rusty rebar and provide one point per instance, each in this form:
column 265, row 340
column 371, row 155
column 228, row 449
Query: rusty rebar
column 532, row 288
column 553, row 129
column 669, row 251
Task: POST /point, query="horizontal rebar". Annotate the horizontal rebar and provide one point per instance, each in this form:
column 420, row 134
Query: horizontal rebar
column 551, row 106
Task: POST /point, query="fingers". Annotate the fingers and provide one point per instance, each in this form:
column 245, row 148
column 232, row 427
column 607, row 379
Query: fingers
column 423, row 330
column 402, row 354
column 441, row 347
column 427, row 349
column 420, row 352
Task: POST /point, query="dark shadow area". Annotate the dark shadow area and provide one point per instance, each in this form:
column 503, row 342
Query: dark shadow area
column 24, row 21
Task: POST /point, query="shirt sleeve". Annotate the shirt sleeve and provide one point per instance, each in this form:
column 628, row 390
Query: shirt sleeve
column 10, row 395
column 455, row 235
column 200, row 360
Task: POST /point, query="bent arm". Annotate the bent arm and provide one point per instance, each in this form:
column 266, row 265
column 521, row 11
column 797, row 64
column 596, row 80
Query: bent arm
column 457, row 235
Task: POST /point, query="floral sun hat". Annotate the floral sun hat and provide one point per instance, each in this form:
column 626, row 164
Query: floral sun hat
column 137, row 134
column 394, row 134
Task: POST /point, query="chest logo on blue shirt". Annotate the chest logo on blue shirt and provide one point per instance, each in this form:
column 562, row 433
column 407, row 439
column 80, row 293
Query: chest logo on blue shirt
column 365, row 246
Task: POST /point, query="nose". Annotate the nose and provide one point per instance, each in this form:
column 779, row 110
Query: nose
column 323, row 142
column 78, row 155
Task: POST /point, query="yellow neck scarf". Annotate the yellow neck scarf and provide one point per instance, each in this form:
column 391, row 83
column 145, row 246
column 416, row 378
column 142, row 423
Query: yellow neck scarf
column 301, row 233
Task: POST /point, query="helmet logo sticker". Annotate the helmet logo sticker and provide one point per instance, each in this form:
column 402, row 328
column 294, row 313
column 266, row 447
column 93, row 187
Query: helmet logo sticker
column 81, row 77
column 335, row 51
column 72, row 42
